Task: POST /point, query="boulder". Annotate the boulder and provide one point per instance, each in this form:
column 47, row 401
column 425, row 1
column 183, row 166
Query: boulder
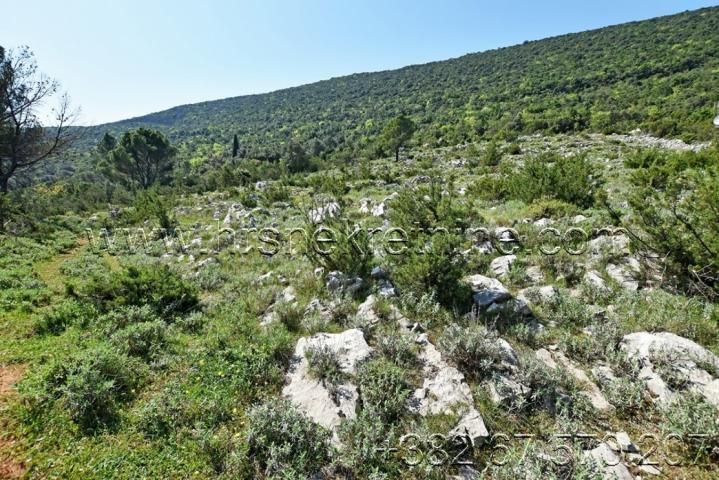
column 608, row 463
column 690, row 357
column 386, row 289
column 593, row 279
column 500, row 265
column 379, row 210
column 365, row 206
column 487, row 291
column 310, row 395
column 625, row 274
column 366, row 313
column 320, row 214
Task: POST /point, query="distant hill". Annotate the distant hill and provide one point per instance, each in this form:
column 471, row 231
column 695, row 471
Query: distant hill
column 660, row 75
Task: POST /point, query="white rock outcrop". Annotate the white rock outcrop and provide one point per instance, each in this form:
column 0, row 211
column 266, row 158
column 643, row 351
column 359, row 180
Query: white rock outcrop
column 690, row 358
column 309, row 394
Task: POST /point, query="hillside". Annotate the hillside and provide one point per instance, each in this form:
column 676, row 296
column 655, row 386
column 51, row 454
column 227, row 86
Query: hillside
column 659, row 75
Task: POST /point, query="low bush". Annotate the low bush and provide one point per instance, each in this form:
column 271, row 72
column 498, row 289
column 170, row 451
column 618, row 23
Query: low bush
column 674, row 200
column 144, row 340
column 324, row 365
column 283, row 443
column 474, row 349
column 93, row 385
column 124, row 316
column 550, row 176
column 62, row 315
column 349, row 253
column 398, row 349
column 156, row 286
column 384, row 390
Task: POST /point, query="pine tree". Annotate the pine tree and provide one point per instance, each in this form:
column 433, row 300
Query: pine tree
column 235, row 146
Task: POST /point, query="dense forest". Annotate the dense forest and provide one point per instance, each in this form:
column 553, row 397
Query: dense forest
column 659, row 75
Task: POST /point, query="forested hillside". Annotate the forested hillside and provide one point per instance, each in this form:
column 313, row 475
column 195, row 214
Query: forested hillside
column 659, row 75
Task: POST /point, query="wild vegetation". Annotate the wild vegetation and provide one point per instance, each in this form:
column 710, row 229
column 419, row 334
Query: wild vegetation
column 160, row 316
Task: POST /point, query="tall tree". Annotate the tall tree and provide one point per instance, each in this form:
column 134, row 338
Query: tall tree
column 106, row 144
column 235, row 146
column 143, row 157
column 397, row 133
column 297, row 158
column 24, row 143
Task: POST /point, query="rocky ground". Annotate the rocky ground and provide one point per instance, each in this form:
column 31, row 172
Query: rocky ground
column 565, row 366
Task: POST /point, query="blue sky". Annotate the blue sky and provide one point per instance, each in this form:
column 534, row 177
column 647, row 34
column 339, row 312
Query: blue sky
column 119, row 59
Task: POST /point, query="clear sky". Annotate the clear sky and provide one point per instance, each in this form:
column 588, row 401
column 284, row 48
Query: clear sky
column 123, row 58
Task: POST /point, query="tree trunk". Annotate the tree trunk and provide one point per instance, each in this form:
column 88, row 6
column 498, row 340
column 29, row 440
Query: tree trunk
column 396, row 154
column 3, row 203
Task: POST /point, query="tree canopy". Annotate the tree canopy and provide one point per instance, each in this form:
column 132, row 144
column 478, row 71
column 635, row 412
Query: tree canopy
column 397, row 133
column 143, row 157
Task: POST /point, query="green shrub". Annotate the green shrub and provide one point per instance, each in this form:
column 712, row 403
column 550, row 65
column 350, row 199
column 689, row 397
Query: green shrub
column 384, row 390
column 124, row 316
column 211, row 278
column 93, row 385
column 691, row 414
column 551, row 208
column 62, row 315
column 350, row 253
column 674, row 206
column 489, row 188
column 474, row 349
column 398, row 349
column 601, row 344
column 491, row 156
column 278, row 191
column 565, row 310
column 436, row 272
column 144, row 340
column 365, row 437
column 324, row 365
column 156, row 286
column 283, row 443
column 552, row 389
column 570, row 179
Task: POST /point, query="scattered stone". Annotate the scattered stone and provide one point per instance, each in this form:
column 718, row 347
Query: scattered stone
column 365, row 206
column 264, row 277
column 335, row 281
column 320, row 214
column 366, row 311
column 487, row 290
column 505, row 391
column 386, row 289
column 379, row 210
column 625, row 274
column 592, row 278
column 543, row 222
column 608, row 462
column 378, row 272
column 534, row 273
column 625, row 443
column 579, row 219
column 288, row 295
column 500, row 265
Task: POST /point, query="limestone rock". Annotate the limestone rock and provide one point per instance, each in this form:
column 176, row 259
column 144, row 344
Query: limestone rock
column 500, row 265
column 309, row 394
column 320, row 214
column 487, row 290
column 609, row 463
column 690, row 357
